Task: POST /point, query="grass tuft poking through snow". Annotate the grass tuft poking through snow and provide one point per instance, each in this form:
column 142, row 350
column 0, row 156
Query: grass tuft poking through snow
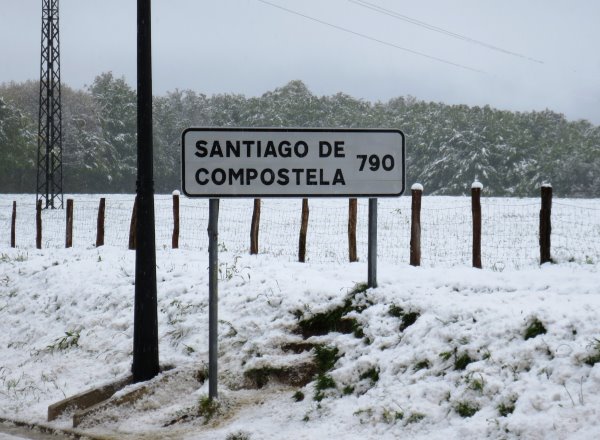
column 594, row 357
column 69, row 340
column 507, row 407
column 239, row 435
column 336, row 319
column 326, row 357
column 461, row 361
column 323, row 382
column 208, row 408
column 535, row 328
column 372, row 374
column 466, row 408
column 422, row 365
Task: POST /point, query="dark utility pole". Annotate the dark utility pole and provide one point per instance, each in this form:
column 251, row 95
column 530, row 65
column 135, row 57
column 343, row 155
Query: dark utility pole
column 145, row 326
column 49, row 184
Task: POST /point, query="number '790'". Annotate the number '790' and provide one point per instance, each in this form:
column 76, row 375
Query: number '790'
column 374, row 162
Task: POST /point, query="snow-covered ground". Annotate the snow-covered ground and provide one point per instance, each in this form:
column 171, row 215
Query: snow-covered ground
column 509, row 228
column 432, row 353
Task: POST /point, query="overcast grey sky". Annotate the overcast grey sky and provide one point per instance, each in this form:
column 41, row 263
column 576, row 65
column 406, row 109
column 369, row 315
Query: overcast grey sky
column 249, row 47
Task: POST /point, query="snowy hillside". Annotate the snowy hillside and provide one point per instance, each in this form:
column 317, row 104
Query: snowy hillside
column 305, row 351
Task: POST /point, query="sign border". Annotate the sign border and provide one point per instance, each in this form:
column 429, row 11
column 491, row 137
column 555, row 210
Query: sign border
column 293, row 130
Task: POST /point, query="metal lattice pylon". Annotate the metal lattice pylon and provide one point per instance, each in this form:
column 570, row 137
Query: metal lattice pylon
column 49, row 169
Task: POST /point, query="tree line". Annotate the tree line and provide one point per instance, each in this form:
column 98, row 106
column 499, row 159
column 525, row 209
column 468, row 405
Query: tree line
column 448, row 146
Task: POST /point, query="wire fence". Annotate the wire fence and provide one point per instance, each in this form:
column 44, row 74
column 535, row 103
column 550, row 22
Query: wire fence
column 510, row 234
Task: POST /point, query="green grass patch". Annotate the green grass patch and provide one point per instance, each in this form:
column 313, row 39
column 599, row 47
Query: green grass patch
column 372, row 374
column 409, row 319
column 507, row 407
column 357, row 330
column 347, row 390
column 461, row 362
column 535, row 328
column 20, row 257
column 415, row 418
column 359, row 288
column 466, row 409
column 476, row 385
column 390, row 416
column 593, row 358
column 326, row 357
column 396, row 311
column 445, row 355
column 239, row 435
column 69, row 340
column 207, row 408
column 335, row 320
column 422, row 365
column 298, row 396
column 323, row 382
column 326, row 322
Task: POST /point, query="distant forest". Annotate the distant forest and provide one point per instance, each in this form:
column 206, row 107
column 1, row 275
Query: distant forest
column 448, row 146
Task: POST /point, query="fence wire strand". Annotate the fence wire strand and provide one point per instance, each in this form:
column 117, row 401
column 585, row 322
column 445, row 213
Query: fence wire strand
column 575, row 232
column 510, row 236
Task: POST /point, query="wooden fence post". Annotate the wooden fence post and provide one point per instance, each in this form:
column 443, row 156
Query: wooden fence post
column 13, row 226
column 100, row 223
column 254, row 227
column 415, row 225
column 352, row 218
column 545, row 223
column 303, row 230
column 38, row 224
column 69, row 226
column 132, row 226
column 476, row 188
column 175, row 237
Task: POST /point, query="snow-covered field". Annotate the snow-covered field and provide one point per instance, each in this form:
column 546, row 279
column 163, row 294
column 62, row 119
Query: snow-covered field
column 509, row 230
column 433, row 352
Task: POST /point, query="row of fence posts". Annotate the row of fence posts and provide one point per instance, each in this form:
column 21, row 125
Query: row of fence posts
column 545, row 225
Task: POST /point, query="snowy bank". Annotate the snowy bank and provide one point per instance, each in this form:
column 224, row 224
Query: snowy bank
column 431, row 353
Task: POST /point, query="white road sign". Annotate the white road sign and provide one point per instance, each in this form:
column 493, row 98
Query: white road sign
column 292, row 162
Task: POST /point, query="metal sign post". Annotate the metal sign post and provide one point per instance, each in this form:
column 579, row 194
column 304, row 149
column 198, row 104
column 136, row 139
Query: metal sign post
column 372, row 263
column 213, row 295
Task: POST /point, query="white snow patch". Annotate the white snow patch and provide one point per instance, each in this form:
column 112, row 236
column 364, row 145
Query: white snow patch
column 66, row 324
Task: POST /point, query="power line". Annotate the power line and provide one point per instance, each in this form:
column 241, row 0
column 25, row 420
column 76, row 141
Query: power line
column 367, row 37
column 431, row 27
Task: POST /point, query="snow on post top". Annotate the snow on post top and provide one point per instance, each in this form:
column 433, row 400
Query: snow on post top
column 416, row 187
column 546, row 185
column 176, row 192
column 477, row 185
